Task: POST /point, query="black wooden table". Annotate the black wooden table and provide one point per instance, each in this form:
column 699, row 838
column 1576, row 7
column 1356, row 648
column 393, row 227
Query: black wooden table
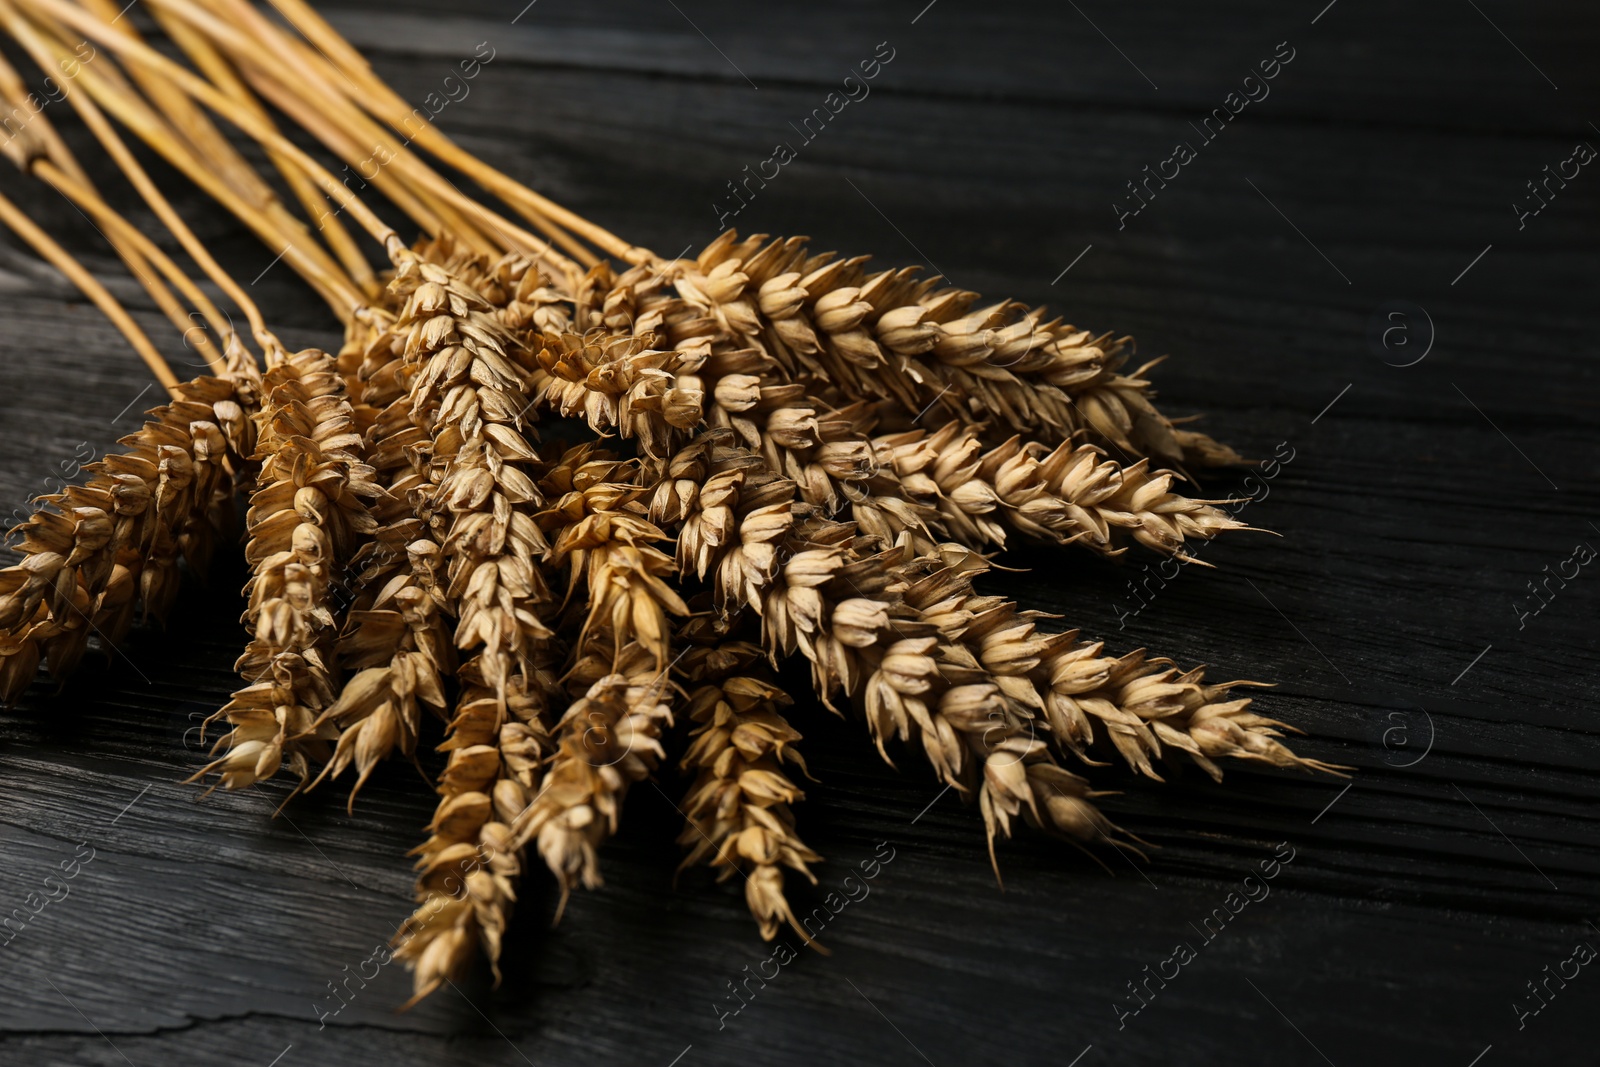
column 1350, row 275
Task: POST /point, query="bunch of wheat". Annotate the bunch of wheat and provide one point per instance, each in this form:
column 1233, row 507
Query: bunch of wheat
column 568, row 614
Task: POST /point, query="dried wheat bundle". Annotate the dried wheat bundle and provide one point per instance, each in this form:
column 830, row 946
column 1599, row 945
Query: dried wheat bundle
column 695, row 491
column 408, row 528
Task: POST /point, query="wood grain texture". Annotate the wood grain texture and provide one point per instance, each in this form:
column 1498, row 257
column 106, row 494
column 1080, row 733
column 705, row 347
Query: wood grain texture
column 1416, row 508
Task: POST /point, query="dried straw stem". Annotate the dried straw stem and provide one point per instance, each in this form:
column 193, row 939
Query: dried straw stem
column 37, row 149
column 14, row 218
column 121, row 101
column 244, row 117
column 349, row 66
column 212, row 146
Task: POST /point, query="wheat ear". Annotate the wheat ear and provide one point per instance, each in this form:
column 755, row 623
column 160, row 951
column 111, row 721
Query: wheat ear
column 95, row 552
column 307, row 512
column 840, row 602
column 468, row 388
column 396, row 636
column 739, row 809
column 901, row 338
column 1068, row 495
column 469, row 867
column 609, row 737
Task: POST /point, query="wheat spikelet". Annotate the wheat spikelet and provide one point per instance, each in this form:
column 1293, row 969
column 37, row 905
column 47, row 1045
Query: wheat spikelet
column 360, row 357
column 732, row 515
column 610, row 548
column 508, row 781
column 1182, row 711
column 451, row 417
column 396, row 643
column 968, row 493
column 305, row 516
column 95, row 552
column 1084, row 496
column 619, row 383
column 717, row 376
column 470, row 389
column 974, row 679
